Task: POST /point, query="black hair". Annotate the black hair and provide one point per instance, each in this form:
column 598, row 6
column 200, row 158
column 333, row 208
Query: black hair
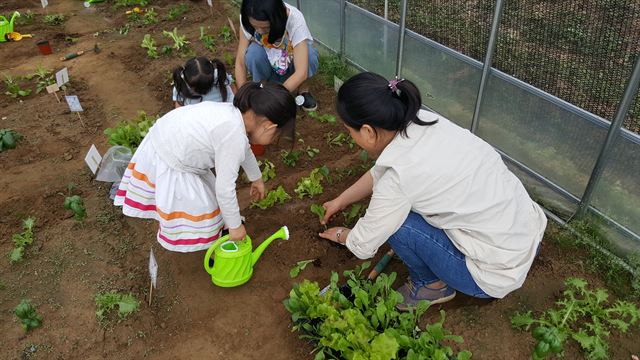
column 273, row 11
column 198, row 76
column 367, row 99
column 271, row 100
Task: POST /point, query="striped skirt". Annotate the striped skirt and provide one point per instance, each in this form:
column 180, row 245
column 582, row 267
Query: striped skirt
column 183, row 203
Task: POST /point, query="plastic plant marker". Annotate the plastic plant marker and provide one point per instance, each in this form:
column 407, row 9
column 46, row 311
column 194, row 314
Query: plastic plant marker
column 74, row 103
column 93, row 159
column 62, row 77
column 44, row 3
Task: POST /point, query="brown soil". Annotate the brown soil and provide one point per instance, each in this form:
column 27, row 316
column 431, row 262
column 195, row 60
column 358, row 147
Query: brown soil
column 70, row 262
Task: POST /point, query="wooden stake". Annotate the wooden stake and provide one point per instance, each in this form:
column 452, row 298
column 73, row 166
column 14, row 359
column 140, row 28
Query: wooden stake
column 233, row 27
column 150, row 291
column 80, row 117
column 57, row 98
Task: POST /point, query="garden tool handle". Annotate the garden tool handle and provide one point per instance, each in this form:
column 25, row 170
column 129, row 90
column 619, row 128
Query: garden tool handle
column 210, row 251
column 72, row 55
column 381, row 265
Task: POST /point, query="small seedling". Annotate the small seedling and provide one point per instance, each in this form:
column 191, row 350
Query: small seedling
column 26, row 18
column 278, row 196
column 226, row 35
column 44, row 77
column 318, row 210
column 311, row 185
column 129, row 3
column 290, row 158
column 312, row 152
column 207, row 40
column 229, row 59
column 106, row 302
column 268, row 170
column 299, row 266
column 75, row 204
column 180, row 42
column 324, row 118
column 134, row 17
column 54, row 19
column 582, row 315
column 22, row 240
column 150, row 44
column 339, row 140
column 176, row 11
column 150, row 17
column 124, row 30
column 366, row 163
column 13, row 87
column 352, row 215
column 28, row 315
column 8, row 139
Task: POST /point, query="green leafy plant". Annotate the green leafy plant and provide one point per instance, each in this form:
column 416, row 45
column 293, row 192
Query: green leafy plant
column 13, row 87
column 126, row 305
column 362, row 322
column 134, row 17
column 28, row 315
column 582, row 315
column 277, row 196
column 353, row 214
column 26, row 18
column 9, row 139
column 318, row 210
column 334, row 65
column 44, row 77
column 177, row 11
column 312, row 152
column 311, row 185
column 53, row 19
column 299, row 266
column 150, row 44
column 207, row 40
column 268, row 170
column 365, row 162
column 290, row 158
column 229, row 58
column 339, row 140
column 324, row 118
column 179, row 41
column 226, row 35
column 130, row 133
column 22, row 240
column 75, row 204
column 128, row 3
column 150, row 17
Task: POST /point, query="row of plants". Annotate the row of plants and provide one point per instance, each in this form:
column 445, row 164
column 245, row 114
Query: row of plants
column 43, row 77
column 181, row 45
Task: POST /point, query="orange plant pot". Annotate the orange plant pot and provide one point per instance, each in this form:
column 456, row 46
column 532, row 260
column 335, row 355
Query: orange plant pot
column 258, row 150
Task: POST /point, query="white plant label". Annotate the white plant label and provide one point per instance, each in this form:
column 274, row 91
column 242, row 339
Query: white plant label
column 153, row 269
column 337, row 83
column 44, row 3
column 62, row 77
column 93, row 159
column 210, row 3
column 74, row 103
column 52, row 88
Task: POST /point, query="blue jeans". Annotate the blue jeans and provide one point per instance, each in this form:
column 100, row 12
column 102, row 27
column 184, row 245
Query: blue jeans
column 430, row 256
column 260, row 69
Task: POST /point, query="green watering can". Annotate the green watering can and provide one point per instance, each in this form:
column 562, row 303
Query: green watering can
column 7, row 26
column 234, row 260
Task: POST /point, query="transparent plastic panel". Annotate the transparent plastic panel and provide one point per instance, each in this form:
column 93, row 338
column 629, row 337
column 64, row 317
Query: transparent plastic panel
column 323, row 20
column 618, row 193
column 448, row 84
column 561, row 145
column 370, row 41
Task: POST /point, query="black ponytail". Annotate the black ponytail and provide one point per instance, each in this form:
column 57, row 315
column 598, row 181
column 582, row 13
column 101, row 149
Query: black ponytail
column 195, row 79
column 221, row 80
column 370, row 99
column 271, row 100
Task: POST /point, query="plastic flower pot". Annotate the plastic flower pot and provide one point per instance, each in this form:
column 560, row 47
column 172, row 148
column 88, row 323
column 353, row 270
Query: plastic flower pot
column 45, row 47
column 258, row 150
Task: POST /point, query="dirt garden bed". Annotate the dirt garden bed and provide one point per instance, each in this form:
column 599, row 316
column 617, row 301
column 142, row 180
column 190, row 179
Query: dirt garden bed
column 70, row 262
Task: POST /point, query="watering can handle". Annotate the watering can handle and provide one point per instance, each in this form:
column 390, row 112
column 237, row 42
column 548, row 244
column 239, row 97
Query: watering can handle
column 13, row 17
column 210, row 251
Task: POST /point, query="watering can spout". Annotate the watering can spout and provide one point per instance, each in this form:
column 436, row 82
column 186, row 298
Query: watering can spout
column 283, row 234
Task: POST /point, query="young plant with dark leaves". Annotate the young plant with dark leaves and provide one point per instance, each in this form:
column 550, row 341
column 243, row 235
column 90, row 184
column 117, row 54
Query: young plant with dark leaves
column 28, row 315
column 76, row 205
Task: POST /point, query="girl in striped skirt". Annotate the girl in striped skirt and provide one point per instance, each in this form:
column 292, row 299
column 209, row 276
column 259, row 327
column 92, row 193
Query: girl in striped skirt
column 169, row 177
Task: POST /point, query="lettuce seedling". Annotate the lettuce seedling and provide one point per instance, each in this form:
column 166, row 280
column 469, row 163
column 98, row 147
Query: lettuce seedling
column 150, row 44
column 300, row 265
column 278, row 196
column 290, row 158
column 75, row 204
column 311, row 185
column 22, row 240
column 324, row 118
column 106, row 302
column 268, row 170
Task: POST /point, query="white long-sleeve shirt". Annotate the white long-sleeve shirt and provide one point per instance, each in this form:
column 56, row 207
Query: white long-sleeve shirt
column 197, row 138
column 460, row 184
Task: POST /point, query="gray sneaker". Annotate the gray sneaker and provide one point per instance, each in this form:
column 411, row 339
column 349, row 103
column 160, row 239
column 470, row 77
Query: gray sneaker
column 309, row 103
column 412, row 295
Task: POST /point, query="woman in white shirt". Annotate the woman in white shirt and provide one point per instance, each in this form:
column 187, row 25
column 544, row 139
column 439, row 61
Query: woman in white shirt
column 276, row 45
column 442, row 197
column 169, row 178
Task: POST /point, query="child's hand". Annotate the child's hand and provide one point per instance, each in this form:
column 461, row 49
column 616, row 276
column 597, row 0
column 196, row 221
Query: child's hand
column 257, row 190
column 330, row 208
column 237, row 234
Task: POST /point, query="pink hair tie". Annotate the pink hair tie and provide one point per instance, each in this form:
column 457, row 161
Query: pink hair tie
column 393, row 85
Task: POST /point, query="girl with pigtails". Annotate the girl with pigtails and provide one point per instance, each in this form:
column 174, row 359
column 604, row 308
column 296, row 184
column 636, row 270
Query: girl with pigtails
column 169, row 178
column 440, row 196
column 201, row 79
